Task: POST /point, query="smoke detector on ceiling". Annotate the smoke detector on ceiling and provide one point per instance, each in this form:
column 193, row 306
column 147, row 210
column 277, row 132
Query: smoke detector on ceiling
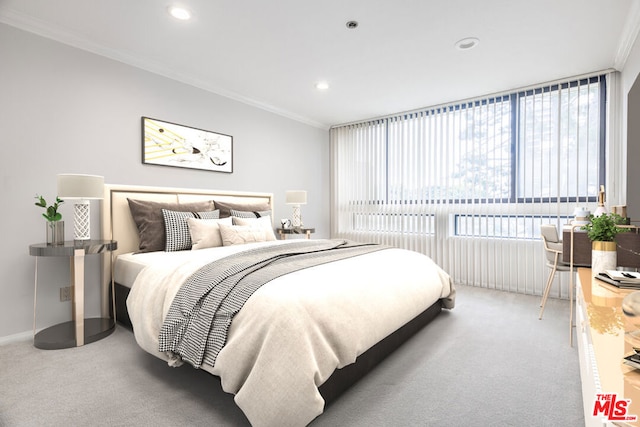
column 352, row 25
column 467, row 43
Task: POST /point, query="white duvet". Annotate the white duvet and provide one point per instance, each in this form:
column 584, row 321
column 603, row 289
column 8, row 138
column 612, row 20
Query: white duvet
column 296, row 330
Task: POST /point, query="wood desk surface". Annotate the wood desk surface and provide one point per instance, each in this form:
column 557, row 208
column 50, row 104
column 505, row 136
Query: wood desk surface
column 610, row 341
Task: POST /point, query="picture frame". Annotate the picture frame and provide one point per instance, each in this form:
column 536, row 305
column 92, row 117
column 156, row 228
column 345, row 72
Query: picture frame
column 171, row 144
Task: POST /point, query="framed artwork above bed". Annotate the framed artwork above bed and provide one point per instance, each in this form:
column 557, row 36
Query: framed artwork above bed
column 170, row 144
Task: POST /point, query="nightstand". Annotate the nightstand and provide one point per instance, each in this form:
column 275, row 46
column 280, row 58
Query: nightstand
column 295, row 230
column 78, row 331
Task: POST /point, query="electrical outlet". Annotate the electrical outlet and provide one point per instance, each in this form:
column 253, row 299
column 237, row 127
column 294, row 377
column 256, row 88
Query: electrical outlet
column 65, row 294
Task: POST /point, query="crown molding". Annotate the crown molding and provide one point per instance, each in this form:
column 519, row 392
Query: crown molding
column 629, row 35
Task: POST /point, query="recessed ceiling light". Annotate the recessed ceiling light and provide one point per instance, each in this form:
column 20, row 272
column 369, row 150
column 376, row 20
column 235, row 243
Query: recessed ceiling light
column 468, row 43
column 322, row 85
column 179, row 13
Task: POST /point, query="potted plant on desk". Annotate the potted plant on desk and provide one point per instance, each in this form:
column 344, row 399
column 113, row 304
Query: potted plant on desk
column 602, row 231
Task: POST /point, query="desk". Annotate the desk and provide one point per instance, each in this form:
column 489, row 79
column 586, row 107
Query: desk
column 628, row 250
column 78, row 331
column 602, row 344
column 576, row 251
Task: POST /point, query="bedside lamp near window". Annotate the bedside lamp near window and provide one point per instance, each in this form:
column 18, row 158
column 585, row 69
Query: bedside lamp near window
column 296, row 198
column 80, row 188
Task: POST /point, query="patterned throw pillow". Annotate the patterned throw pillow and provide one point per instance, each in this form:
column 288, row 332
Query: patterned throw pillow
column 177, row 229
column 225, row 207
column 249, row 214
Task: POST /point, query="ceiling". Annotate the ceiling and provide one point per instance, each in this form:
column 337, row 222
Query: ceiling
column 401, row 57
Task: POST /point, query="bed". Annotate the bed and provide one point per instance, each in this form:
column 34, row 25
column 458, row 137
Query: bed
column 289, row 341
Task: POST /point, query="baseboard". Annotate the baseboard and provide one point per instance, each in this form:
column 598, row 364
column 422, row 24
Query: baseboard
column 22, row 336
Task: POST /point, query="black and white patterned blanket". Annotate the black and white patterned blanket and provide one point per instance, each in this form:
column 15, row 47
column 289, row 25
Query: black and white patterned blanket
column 195, row 328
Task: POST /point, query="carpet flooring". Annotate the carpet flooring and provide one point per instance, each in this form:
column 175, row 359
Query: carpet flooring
column 488, row 362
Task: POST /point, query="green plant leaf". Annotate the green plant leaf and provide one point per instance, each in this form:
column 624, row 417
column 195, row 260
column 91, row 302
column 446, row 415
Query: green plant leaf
column 604, row 228
column 51, row 212
column 41, row 202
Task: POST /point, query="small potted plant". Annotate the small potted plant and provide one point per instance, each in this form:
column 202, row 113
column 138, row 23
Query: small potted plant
column 602, row 231
column 55, row 225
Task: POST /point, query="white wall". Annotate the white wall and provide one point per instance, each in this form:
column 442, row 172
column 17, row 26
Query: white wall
column 64, row 110
column 631, row 129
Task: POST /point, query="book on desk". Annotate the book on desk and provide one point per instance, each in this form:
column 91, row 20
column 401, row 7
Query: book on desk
column 621, row 279
column 633, row 360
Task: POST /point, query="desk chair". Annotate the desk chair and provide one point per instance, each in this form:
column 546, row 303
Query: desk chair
column 553, row 251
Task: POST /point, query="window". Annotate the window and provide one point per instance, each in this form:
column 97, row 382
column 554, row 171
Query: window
column 536, row 146
column 560, row 133
column 532, row 146
column 455, row 153
column 470, row 183
column 505, row 226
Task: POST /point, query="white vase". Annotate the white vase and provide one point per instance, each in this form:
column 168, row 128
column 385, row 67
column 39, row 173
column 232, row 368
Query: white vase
column 603, row 257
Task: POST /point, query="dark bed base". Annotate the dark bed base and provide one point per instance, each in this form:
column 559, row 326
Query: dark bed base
column 122, row 314
column 341, row 379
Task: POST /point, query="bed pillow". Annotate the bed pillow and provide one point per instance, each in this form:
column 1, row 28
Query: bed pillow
column 263, row 223
column 241, row 234
column 150, row 223
column 225, row 207
column 249, row 214
column 177, row 229
column 205, row 233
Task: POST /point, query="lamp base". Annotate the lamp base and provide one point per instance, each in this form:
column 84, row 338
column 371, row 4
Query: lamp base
column 81, row 221
column 297, row 217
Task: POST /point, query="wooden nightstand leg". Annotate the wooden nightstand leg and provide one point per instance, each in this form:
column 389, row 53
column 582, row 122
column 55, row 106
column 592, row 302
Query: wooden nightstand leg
column 308, row 234
column 77, row 277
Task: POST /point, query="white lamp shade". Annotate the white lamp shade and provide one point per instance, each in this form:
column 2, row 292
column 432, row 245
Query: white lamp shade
column 581, row 212
column 76, row 186
column 296, row 197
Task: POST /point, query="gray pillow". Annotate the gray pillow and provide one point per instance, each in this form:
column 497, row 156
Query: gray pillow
column 225, row 207
column 148, row 218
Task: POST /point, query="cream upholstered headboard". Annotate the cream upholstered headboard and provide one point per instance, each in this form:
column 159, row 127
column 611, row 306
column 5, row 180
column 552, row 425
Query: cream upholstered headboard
column 118, row 224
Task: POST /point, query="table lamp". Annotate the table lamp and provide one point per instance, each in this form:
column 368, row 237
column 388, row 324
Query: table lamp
column 296, row 198
column 80, row 188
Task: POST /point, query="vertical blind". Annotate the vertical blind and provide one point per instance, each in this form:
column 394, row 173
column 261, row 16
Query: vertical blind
column 469, row 184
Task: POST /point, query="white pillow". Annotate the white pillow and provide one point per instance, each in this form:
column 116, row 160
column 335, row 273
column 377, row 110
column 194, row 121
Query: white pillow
column 241, row 234
column 205, row 233
column 264, row 222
